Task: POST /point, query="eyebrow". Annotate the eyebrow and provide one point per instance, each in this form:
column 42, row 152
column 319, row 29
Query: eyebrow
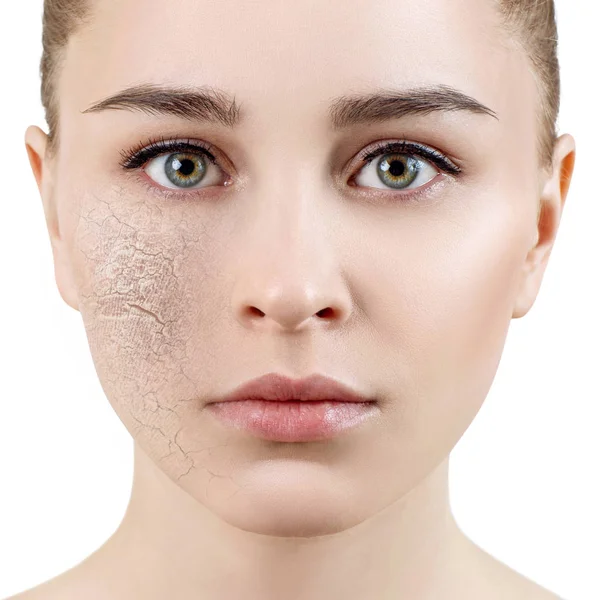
column 211, row 105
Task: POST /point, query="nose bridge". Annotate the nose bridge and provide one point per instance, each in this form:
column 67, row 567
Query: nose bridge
column 288, row 198
column 288, row 214
column 288, row 270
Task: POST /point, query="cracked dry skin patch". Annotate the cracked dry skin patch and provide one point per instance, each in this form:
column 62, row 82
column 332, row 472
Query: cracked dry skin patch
column 140, row 269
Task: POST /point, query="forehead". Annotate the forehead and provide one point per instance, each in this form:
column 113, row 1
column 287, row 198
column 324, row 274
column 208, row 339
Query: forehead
column 285, row 57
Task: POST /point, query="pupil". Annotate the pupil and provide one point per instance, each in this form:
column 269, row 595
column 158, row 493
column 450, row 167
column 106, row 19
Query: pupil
column 187, row 167
column 397, row 168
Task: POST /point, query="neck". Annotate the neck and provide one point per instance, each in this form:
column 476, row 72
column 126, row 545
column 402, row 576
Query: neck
column 171, row 546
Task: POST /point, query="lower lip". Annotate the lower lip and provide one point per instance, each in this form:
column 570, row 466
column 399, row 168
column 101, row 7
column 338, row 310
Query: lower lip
column 293, row 420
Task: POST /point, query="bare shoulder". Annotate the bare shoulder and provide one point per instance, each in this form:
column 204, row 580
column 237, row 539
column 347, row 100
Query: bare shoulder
column 525, row 589
column 39, row 592
column 70, row 585
column 53, row 591
column 28, row 595
column 87, row 580
column 508, row 583
column 49, row 590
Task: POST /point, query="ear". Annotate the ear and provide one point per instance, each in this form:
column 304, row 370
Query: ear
column 552, row 202
column 36, row 143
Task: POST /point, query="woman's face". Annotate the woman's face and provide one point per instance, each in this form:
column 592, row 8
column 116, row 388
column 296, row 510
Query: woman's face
column 421, row 269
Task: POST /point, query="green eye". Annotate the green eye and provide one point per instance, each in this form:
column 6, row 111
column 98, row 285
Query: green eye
column 184, row 169
column 397, row 171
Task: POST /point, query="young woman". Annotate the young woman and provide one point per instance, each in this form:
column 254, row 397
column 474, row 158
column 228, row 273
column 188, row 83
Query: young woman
column 297, row 234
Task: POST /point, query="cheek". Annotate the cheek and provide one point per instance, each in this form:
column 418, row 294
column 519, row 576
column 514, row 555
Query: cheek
column 450, row 320
column 141, row 307
column 473, row 308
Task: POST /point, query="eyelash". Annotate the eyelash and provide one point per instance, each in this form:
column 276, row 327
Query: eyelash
column 137, row 156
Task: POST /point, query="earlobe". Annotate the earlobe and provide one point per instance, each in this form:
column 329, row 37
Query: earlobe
column 551, row 204
column 36, row 143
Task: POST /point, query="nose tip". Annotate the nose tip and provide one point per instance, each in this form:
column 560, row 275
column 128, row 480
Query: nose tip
column 291, row 312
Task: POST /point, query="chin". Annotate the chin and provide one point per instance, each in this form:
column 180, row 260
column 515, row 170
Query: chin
column 284, row 499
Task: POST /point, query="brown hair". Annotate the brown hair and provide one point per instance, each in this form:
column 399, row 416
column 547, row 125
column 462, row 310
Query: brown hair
column 530, row 23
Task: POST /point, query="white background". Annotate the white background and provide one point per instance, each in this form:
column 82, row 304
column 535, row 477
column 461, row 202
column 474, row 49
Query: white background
column 524, row 477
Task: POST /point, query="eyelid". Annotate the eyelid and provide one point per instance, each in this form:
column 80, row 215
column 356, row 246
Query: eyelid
column 448, row 171
column 137, row 156
column 430, row 154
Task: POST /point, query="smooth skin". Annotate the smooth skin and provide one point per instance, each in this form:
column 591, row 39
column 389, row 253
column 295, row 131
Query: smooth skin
column 277, row 262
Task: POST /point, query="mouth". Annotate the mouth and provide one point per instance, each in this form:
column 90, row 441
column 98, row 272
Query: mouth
column 276, row 408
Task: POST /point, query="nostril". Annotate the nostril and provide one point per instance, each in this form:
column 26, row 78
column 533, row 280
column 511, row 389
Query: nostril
column 325, row 313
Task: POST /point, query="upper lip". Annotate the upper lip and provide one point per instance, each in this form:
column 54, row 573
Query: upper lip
column 273, row 386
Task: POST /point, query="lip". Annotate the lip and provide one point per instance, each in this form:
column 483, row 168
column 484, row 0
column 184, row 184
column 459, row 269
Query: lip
column 277, row 408
column 277, row 387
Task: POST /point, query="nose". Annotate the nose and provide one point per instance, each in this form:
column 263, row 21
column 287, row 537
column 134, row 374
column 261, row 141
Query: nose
column 276, row 302
column 289, row 276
